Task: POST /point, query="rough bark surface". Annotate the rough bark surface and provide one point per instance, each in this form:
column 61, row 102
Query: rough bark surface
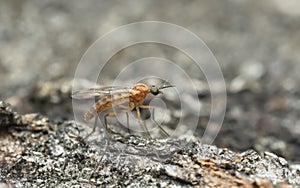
column 38, row 152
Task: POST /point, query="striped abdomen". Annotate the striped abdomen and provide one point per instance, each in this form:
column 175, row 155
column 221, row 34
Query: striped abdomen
column 106, row 103
column 135, row 98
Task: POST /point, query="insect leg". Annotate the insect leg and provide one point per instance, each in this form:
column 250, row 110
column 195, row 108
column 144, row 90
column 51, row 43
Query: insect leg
column 145, row 129
column 144, row 123
column 139, row 120
column 108, row 131
column 153, row 118
column 127, row 116
column 94, row 128
column 159, row 126
column 126, row 110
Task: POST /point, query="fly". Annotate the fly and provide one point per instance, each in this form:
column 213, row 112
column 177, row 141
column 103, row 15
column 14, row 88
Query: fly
column 125, row 99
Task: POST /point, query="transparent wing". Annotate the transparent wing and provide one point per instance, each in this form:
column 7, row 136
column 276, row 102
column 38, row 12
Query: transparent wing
column 99, row 92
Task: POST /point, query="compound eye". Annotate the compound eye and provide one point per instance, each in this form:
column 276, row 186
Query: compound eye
column 154, row 90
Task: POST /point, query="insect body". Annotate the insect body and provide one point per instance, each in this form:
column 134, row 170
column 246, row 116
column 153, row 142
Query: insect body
column 109, row 97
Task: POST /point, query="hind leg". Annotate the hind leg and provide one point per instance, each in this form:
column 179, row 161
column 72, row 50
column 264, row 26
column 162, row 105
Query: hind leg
column 107, row 129
column 94, row 127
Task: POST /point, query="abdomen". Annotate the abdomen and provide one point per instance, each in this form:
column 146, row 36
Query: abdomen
column 106, row 103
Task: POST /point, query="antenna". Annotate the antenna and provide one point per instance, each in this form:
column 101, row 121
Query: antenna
column 164, row 85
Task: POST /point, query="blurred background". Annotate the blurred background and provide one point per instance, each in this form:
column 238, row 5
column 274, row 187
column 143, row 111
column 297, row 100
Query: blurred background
column 257, row 44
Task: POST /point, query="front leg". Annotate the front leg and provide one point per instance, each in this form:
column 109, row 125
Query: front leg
column 159, row 126
column 139, row 120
